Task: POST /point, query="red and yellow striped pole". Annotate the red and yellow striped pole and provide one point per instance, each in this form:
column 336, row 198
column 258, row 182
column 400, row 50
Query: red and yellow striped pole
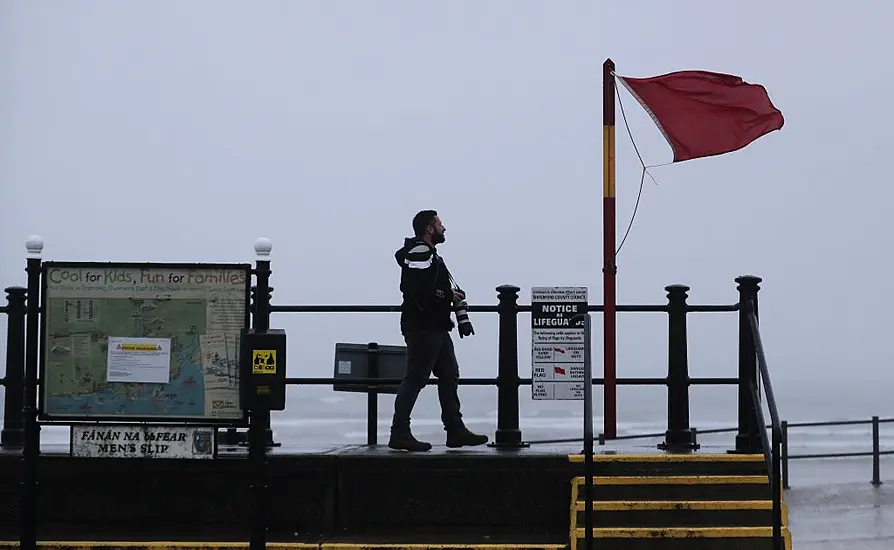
column 609, row 269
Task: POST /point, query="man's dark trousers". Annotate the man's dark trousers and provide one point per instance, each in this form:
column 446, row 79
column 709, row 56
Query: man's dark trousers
column 428, row 351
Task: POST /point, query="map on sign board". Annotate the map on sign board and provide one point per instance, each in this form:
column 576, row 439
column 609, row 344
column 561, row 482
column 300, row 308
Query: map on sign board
column 142, row 341
column 557, row 346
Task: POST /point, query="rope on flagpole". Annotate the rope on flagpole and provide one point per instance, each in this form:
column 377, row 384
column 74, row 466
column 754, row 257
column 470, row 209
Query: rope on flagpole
column 644, row 173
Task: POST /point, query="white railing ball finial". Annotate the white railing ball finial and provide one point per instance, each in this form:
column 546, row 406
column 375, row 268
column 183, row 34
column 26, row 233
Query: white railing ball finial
column 263, row 246
column 34, row 246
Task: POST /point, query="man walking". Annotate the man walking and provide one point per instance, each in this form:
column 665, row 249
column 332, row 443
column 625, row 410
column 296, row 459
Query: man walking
column 428, row 299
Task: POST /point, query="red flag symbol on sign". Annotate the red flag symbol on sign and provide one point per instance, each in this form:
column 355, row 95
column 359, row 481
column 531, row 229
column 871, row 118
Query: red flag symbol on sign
column 559, row 350
column 559, row 370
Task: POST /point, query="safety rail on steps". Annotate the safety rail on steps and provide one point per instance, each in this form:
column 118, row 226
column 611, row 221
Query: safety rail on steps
column 772, row 449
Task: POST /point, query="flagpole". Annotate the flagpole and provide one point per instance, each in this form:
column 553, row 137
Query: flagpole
column 609, row 269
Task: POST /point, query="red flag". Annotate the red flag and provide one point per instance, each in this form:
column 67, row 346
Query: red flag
column 702, row 113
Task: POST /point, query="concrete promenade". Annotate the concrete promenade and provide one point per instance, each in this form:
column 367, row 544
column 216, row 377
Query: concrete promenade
column 851, row 515
column 831, row 503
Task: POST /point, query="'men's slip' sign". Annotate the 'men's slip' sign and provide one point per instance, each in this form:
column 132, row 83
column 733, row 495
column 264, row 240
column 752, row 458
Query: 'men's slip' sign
column 141, row 441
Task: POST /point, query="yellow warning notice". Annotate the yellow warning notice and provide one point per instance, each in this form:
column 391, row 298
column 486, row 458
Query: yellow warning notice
column 139, row 347
column 263, row 361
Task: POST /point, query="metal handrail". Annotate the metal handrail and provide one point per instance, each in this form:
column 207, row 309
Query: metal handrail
column 641, row 381
column 522, row 308
column 772, row 450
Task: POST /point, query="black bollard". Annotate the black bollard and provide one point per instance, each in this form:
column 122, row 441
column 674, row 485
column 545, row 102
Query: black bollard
column 372, row 394
column 13, row 435
column 31, row 450
column 678, row 437
column 748, row 438
column 508, row 434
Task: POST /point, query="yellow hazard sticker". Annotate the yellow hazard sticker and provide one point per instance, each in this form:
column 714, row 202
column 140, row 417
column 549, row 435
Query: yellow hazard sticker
column 263, row 361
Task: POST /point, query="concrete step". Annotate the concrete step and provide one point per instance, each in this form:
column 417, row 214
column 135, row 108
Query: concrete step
column 695, row 487
column 681, row 538
column 671, row 513
column 673, row 464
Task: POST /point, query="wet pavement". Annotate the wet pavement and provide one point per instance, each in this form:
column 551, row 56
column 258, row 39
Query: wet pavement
column 832, row 505
column 848, row 515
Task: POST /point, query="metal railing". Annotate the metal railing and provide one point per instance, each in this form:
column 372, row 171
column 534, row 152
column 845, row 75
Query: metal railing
column 875, row 440
column 876, row 453
column 754, row 349
column 508, row 381
column 15, row 309
column 21, row 419
column 12, row 434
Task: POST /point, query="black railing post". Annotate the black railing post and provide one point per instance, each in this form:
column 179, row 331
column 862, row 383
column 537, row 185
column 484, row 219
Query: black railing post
column 678, row 437
column 261, row 311
column 260, row 436
column 257, row 455
column 508, row 434
column 784, row 427
column 31, row 450
column 12, row 434
column 748, row 438
column 876, row 454
column 372, row 395
column 775, row 482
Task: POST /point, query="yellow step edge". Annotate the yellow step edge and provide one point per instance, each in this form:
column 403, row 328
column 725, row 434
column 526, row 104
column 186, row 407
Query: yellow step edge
column 679, row 532
column 616, row 505
column 657, row 457
column 577, row 502
column 577, row 483
column 673, row 480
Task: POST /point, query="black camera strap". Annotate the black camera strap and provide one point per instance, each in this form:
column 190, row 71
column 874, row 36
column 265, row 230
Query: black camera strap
column 450, row 277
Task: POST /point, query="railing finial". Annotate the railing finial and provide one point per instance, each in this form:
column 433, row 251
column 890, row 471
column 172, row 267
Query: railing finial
column 34, row 246
column 263, row 247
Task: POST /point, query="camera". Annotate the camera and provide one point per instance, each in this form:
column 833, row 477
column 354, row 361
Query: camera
column 464, row 325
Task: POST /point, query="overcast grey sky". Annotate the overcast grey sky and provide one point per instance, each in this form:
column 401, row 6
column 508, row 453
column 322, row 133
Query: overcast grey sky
column 182, row 131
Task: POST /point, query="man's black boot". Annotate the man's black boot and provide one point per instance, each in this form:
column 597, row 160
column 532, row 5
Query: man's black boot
column 406, row 442
column 462, row 437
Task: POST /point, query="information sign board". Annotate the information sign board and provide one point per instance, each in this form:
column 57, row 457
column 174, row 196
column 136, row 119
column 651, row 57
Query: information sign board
column 557, row 345
column 143, row 342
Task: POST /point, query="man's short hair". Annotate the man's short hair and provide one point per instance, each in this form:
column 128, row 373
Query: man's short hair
column 422, row 220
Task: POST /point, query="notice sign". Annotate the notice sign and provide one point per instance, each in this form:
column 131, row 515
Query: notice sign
column 263, row 361
column 141, row 441
column 557, row 345
column 143, row 360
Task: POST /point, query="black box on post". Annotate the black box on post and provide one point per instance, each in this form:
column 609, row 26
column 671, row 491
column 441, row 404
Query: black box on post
column 353, row 361
column 263, row 369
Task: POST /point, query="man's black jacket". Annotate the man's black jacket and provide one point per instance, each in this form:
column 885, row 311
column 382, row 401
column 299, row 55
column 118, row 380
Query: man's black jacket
column 425, row 285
